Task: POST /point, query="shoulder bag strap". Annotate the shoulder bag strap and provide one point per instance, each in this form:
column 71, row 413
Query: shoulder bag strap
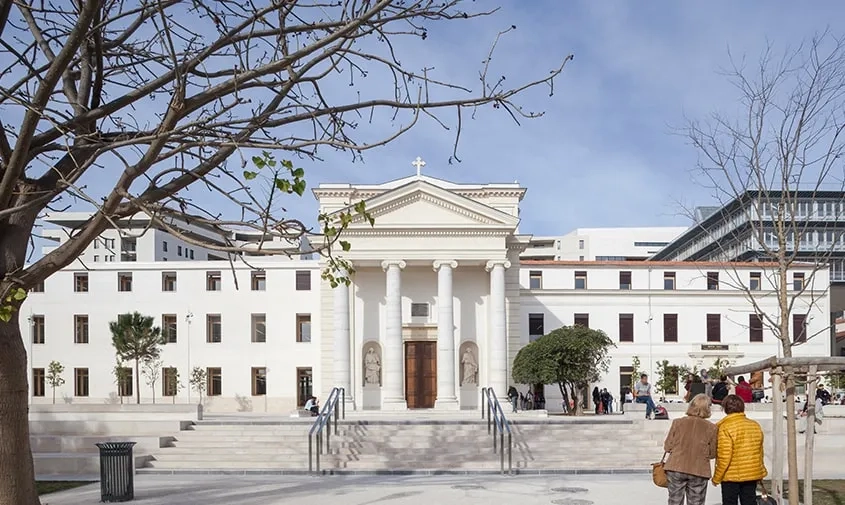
column 763, row 489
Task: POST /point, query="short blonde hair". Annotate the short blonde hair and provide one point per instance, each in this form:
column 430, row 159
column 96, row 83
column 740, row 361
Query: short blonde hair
column 699, row 406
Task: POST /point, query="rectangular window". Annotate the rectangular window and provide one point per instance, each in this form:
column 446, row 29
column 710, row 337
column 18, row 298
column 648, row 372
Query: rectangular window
column 169, row 328
column 215, row 381
column 80, row 382
column 580, row 280
column 419, row 310
column 168, row 281
column 80, row 329
column 536, row 326
column 80, row 282
column 39, row 382
column 164, row 246
column 213, row 281
column 96, row 258
column 303, row 327
column 535, row 279
column 626, row 380
column 714, row 327
column 38, row 288
column 626, row 327
column 669, row 281
column 128, row 248
column 304, row 385
column 670, row 327
column 259, row 328
column 96, row 243
column 624, row 280
column 178, row 250
column 582, row 320
column 191, row 253
column 755, row 328
column 124, row 281
column 169, row 381
column 712, row 281
column 259, row 381
column 798, row 281
column 213, row 328
column 581, row 244
column 755, row 281
column 303, row 280
column 125, row 382
column 799, row 327
column 38, row 335
column 258, row 280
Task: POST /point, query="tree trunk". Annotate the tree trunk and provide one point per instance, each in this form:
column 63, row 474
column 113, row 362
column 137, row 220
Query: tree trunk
column 54, row 395
column 153, row 391
column 17, row 475
column 137, row 383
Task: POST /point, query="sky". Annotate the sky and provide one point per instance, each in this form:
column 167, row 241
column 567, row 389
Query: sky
column 607, row 150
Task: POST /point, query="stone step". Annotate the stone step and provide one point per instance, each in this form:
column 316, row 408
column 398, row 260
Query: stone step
column 64, row 464
column 87, row 443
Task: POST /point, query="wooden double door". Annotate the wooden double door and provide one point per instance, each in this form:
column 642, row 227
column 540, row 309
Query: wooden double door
column 420, row 374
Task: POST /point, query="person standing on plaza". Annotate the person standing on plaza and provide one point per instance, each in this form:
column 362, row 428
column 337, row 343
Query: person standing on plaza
column 642, row 392
column 691, row 444
column 744, row 391
column 739, row 455
column 720, row 390
column 597, row 400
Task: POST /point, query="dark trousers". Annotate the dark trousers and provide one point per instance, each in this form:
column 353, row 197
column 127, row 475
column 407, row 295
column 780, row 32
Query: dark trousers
column 742, row 493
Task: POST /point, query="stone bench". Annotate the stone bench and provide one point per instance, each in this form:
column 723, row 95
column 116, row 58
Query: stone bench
column 126, row 412
column 87, row 443
column 302, row 413
column 126, row 428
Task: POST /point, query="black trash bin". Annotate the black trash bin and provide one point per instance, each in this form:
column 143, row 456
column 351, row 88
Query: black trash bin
column 117, row 471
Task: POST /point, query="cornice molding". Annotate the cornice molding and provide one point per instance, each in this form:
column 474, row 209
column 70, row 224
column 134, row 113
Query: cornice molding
column 420, row 196
column 444, row 263
column 423, row 233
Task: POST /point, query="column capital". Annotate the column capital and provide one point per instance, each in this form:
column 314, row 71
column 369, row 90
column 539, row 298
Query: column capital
column 388, row 263
column 494, row 263
column 445, row 263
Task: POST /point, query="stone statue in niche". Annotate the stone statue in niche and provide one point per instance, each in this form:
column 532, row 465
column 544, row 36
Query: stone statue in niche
column 469, row 367
column 372, row 368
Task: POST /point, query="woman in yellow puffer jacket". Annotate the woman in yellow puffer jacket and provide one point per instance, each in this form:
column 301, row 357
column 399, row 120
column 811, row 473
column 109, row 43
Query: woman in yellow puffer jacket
column 739, row 455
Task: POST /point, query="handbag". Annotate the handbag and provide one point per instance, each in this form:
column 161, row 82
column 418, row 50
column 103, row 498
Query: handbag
column 764, row 498
column 658, row 473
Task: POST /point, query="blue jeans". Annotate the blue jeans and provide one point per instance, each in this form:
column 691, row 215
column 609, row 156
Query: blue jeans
column 649, row 404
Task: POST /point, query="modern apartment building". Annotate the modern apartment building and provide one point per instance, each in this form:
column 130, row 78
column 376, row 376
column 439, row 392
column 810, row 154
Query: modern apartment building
column 602, row 244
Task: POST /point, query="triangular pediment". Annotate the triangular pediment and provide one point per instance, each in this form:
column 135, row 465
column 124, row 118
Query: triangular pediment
column 420, row 204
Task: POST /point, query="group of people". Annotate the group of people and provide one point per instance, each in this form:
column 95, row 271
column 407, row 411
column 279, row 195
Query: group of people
column 735, row 442
column 603, row 401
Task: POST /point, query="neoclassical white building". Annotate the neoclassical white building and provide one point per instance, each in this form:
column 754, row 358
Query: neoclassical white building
column 438, row 306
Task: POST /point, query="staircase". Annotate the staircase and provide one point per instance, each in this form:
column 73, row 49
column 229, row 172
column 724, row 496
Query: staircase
column 437, row 444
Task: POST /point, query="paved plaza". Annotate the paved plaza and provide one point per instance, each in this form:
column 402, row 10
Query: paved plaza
column 416, row 490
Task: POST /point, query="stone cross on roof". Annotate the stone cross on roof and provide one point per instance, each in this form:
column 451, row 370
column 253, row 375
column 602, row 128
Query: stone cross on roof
column 419, row 163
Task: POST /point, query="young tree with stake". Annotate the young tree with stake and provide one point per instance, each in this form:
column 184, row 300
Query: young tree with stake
column 54, row 377
column 780, row 161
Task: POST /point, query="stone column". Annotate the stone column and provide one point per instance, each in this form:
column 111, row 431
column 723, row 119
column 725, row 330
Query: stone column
column 342, row 340
column 446, row 396
column 393, row 362
column 497, row 336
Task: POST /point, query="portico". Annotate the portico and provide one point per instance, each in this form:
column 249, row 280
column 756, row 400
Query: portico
column 425, row 320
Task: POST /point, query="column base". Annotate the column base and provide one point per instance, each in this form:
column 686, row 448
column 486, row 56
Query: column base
column 394, row 404
column 447, row 404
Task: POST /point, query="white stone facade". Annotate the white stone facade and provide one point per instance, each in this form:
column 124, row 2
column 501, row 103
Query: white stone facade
column 438, row 307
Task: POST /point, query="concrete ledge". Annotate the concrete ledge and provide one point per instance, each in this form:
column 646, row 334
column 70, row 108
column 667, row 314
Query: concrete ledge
column 302, row 413
column 87, row 443
column 117, row 428
column 105, row 412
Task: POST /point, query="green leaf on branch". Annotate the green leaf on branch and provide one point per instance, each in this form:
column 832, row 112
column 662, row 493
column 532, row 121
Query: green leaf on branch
column 346, row 246
column 250, row 175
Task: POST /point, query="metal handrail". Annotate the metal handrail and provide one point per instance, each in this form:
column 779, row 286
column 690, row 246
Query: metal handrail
column 498, row 425
column 324, row 420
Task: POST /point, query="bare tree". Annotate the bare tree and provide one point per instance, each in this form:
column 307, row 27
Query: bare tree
column 152, row 373
column 777, row 172
column 155, row 98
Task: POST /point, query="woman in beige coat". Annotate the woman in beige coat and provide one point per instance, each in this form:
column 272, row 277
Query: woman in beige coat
column 691, row 444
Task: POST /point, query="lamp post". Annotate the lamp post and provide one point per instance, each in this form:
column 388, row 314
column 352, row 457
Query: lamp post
column 188, row 318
